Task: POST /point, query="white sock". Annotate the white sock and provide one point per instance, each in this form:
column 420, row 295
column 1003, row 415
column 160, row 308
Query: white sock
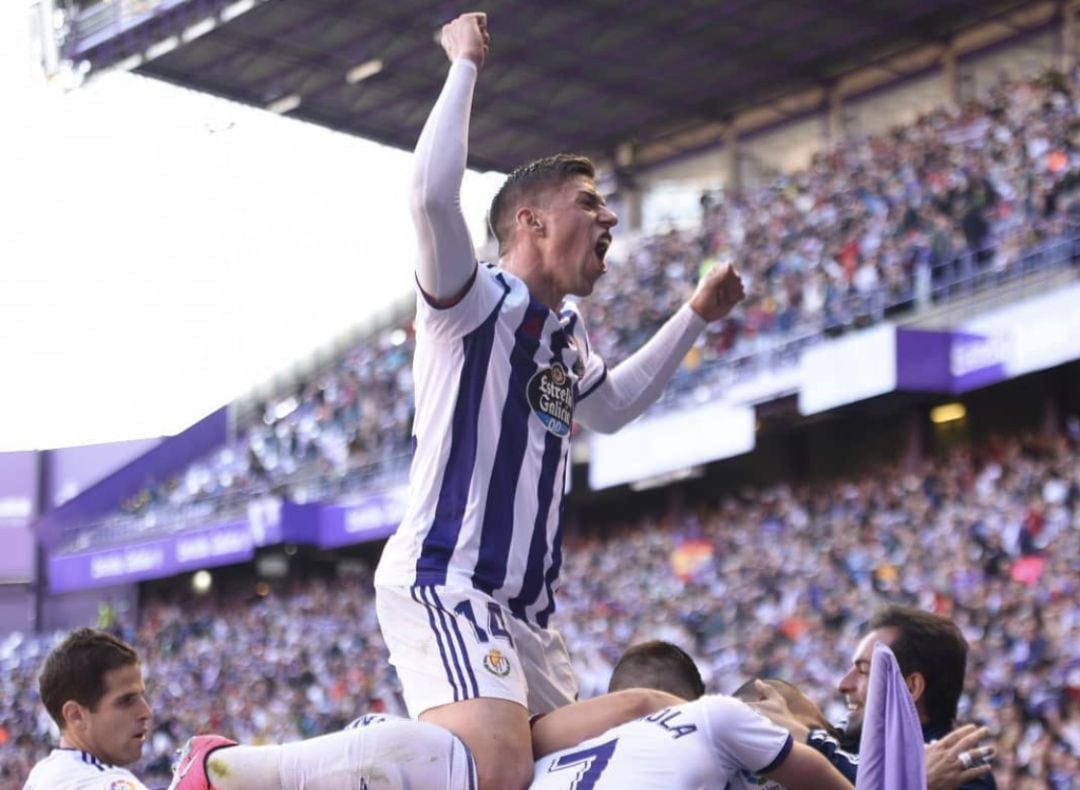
column 392, row 755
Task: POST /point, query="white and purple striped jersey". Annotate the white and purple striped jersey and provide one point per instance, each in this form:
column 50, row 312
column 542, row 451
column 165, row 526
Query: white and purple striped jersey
column 704, row 743
column 496, row 378
column 74, row 769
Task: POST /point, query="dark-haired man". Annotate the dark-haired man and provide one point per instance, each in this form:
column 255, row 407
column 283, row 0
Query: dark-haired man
column 502, row 369
column 689, row 739
column 91, row 684
column 657, row 665
column 932, row 655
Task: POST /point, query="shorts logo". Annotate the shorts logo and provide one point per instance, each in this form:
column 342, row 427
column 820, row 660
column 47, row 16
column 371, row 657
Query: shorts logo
column 496, row 663
column 551, row 396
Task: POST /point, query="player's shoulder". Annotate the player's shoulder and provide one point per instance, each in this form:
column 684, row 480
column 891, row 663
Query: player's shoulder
column 720, row 708
column 73, row 769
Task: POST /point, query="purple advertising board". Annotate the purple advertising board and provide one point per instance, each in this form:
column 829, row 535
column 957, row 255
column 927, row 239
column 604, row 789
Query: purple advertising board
column 946, row 362
column 72, row 470
column 268, row 522
column 373, row 517
column 18, row 488
column 161, row 462
column 18, row 505
column 222, row 544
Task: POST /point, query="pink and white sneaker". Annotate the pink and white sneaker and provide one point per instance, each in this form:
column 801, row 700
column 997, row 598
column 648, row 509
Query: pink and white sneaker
column 189, row 773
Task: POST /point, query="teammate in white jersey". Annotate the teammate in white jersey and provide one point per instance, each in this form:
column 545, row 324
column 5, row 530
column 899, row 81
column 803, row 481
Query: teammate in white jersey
column 700, row 744
column 92, row 687
column 502, row 369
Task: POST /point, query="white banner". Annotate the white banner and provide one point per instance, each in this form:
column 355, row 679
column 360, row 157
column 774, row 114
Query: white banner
column 670, row 442
column 849, row 369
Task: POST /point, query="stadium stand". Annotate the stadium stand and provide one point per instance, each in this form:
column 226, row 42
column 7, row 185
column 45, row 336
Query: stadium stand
column 761, row 579
column 737, row 579
column 958, row 203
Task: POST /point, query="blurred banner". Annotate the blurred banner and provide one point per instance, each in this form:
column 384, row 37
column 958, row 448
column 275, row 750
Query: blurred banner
column 947, row 362
column 72, row 470
column 18, row 503
column 670, row 442
column 854, row 368
column 164, row 460
column 268, row 523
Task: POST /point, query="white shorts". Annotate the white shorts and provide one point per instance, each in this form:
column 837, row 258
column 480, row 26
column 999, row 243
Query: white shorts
column 449, row 645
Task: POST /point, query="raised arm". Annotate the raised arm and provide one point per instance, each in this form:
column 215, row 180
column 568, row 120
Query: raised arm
column 634, row 385
column 447, row 260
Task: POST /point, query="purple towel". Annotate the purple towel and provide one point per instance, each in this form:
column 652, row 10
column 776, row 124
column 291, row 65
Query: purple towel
column 891, row 753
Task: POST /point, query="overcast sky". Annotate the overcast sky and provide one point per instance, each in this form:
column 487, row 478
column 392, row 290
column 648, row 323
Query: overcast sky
column 162, row 251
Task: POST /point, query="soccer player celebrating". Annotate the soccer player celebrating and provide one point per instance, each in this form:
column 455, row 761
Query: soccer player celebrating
column 502, row 369
column 92, row 687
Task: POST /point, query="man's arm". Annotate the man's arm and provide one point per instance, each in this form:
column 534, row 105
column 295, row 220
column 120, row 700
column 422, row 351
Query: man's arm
column 570, row 725
column 634, row 385
column 805, row 768
column 447, row 260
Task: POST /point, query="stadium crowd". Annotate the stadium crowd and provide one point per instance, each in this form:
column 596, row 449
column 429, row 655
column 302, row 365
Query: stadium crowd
column 767, row 582
column 959, row 200
column 877, row 224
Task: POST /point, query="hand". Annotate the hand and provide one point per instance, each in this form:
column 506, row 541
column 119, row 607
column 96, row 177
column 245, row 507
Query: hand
column 466, row 37
column 717, row 292
column 945, row 768
column 774, row 707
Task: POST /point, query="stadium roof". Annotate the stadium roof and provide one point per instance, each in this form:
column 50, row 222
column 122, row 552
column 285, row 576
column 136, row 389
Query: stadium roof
column 576, row 75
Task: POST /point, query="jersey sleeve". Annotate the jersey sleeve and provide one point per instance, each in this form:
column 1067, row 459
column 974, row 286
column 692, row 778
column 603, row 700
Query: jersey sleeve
column 483, row 294
column 743, row 737
column 594, row 368
column 845, row 762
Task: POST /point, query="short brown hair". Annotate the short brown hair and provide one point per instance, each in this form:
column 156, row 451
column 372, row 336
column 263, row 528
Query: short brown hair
column 932, row 646
column 525, row 182
column 75, row 669
column 658, row 665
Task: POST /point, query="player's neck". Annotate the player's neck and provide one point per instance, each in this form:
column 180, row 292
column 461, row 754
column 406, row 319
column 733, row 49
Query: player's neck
column 529, row 270
column 67, row 741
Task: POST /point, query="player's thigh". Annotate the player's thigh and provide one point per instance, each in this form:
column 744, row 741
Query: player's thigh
column 549, row 675
column 449, row 646
column 497, row 733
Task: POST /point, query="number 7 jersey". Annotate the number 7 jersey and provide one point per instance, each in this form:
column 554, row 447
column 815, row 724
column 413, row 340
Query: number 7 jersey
column 701, row 744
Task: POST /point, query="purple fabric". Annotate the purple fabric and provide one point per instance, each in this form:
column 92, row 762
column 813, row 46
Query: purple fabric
column 891, row 751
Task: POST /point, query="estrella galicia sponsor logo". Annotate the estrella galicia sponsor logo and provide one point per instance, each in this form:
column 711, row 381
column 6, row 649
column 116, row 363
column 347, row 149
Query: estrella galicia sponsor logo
column 496, row 663
column 551, row 396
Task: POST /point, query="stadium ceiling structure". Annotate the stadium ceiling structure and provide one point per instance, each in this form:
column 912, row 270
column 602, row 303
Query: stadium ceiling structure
column 625, row 81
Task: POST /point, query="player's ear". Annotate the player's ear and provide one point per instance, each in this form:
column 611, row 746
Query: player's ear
column 73, row 714
column 916, row 684
column 528, row 218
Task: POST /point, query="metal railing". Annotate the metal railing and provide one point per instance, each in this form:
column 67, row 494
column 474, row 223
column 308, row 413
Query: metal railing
column 967, row 275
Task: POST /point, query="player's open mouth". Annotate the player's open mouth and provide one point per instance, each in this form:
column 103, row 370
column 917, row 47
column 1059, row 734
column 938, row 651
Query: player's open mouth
column 601, row 248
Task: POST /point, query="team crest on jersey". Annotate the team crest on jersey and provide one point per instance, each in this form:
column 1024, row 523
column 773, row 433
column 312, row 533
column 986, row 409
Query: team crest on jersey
column 121, row 784
column 551, row 396
column 496, row 663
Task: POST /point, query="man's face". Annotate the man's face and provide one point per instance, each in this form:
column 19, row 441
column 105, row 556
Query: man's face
column 578, row 225
column 116, row 729
column 856, row 682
